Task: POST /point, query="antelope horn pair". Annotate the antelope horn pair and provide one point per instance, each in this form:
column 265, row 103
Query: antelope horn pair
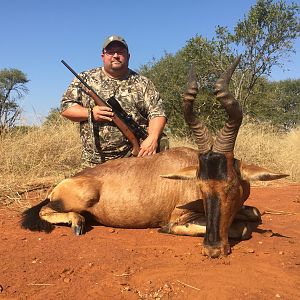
column 225, row 139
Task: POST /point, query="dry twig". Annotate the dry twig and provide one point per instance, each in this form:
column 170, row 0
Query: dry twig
column 185, row 284
column 278, row 212
column 40, row 284
column 124, row 274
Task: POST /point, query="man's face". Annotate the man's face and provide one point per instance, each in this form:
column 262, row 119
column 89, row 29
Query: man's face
column 115, row 59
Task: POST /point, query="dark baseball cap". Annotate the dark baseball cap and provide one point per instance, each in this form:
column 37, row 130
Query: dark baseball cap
column 114, row 38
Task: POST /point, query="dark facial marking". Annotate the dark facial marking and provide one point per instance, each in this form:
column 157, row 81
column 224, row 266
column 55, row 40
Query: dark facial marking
column 213, row 166
column 212, row 235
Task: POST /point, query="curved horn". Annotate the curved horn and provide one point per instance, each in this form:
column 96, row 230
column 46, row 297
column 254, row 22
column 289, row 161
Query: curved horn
column 226, row 137
column 200, row 131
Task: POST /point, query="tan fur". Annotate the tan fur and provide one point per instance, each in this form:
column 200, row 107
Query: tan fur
column 129, row 192
column 252, row 172
column 77, row 192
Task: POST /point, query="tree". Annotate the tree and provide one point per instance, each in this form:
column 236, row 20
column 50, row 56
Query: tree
column 54, row 117
column 288, row 98
column 278, row 102
column 12, row 88
column 265, row 37
column 170, row 75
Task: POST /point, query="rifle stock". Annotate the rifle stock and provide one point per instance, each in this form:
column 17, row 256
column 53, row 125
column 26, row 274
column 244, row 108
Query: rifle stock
column 116, row 119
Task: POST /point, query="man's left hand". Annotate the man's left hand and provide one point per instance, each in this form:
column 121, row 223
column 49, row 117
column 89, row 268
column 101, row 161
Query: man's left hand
column 148, row 146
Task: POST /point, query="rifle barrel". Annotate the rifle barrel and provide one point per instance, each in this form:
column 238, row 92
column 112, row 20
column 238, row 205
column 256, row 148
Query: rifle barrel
column 76, row 75
column 120, row 123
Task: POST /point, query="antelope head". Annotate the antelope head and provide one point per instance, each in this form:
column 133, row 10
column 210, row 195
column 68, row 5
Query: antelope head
column 222, row 179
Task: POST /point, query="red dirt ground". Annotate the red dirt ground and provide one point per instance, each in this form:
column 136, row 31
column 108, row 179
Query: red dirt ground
column 108, row 263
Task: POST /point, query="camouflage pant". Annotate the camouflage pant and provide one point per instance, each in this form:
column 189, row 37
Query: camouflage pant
column 163, row 143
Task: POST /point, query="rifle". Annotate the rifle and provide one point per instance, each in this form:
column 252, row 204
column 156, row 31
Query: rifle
column 133, row 131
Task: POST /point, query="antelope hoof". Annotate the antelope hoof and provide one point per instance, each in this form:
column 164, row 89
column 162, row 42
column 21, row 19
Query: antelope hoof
column 78, row 225
column 216, row 252
column 78, row 229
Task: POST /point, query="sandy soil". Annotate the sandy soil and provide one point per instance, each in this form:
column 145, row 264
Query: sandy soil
column 108, row 263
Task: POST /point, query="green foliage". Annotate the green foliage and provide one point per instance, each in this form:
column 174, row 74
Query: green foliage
column 170, row 74
column 288, row 98
column 269, row 27
column 12, row 88
column 278, row 102
column 54, row 117
column 265, row 38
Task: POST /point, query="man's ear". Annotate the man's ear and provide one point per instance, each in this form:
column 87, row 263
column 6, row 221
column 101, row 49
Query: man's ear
column 185, row 173
column 253, row 172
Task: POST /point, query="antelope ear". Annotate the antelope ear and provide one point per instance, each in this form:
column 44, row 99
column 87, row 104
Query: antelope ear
column 252, row 172
column 185, row 173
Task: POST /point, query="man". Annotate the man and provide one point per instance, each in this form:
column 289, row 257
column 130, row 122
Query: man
column 101, row 139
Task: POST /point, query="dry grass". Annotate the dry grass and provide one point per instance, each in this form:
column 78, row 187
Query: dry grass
column 265, row 146
column 46, row 154
column 39, row 157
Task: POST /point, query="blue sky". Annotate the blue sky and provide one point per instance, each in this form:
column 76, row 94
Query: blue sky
column 36, row 35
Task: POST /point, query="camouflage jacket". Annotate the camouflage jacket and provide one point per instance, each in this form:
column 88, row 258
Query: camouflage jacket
column 103, row 140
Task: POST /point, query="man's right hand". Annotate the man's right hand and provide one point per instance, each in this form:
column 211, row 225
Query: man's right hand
column 77, row 113
column 102, row 113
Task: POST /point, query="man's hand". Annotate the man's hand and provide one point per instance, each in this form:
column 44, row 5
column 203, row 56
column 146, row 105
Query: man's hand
column 148, row 146
column 102, row 113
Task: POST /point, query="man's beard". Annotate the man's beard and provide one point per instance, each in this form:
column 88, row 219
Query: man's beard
column 117, row 65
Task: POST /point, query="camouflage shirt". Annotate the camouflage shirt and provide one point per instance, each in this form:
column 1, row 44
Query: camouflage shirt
column 137, row 95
